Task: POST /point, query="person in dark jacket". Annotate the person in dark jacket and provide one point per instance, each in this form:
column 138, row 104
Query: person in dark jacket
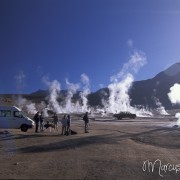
column 55, row 121
column 64, row 125
column 36, row 120
column 86, row 122
column 68, row 125
column 41, row 118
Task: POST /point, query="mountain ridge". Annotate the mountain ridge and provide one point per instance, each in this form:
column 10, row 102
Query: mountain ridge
column 143, row 92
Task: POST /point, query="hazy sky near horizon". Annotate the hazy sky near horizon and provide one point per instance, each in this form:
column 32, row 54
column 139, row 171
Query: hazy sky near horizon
column 66, row 38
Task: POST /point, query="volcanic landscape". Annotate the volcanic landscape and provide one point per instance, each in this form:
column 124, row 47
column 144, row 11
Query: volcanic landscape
column 113, row 149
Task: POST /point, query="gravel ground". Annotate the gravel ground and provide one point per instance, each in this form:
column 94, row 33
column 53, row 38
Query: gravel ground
column 111, row 150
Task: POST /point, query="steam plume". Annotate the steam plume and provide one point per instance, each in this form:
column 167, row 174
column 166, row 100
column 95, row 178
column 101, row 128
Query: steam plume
column 31, row 108
column 161, row 108
column 174, row 97
column 121, row 83
column 174, row 94
column 85, row 92
column 119, row 98
column 72, row 89
column 26, row 105
column 21, row 102
column 54, row 89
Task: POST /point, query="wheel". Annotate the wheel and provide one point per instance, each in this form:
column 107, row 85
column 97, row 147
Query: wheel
column 24, row 128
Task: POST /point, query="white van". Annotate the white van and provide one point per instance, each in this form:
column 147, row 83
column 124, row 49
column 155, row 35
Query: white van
column 13, row 117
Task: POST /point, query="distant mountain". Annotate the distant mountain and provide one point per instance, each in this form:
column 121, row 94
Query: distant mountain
column 145, row 92
column 42, row 95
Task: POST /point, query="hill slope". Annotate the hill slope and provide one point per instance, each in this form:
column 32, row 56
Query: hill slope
column 147, row 92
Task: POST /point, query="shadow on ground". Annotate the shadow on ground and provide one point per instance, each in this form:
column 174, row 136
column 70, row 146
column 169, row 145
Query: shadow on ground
column 69, row 144
column 166, row 137
column 161, row 137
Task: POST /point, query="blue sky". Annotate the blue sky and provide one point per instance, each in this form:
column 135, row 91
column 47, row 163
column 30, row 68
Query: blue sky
column 66, row 38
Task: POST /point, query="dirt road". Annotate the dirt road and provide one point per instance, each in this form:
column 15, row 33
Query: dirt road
column 111, row 150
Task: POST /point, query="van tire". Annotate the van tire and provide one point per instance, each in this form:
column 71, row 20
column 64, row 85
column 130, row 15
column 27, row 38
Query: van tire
column 24, row 127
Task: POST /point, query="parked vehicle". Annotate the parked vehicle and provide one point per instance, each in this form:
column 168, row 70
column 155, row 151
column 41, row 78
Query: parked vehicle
column 125, row 115
column 13, row 117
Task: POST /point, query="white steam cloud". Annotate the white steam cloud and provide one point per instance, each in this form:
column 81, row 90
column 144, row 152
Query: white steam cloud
column 174, row 94
column 119, row 87
column 161, row 108
column 31, row 108
column 21, row 102
column 121, row 83
column 54, row 90
column 136, row 61
column 174, row 97
column 119, row 98
column 68, row 105
column 26, row 105
column 86, row 90
column 72, row 89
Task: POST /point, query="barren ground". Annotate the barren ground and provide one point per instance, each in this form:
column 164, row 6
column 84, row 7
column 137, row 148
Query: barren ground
column 111, row 150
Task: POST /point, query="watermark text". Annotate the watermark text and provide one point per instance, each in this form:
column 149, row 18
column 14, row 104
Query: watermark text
column 162, row 168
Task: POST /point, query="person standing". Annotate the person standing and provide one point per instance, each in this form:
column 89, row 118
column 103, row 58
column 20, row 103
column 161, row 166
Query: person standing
column 41, row 117
column 55, row 121
column 64, row 124
column 68, row 125
column 86, row 122
column 36, row 119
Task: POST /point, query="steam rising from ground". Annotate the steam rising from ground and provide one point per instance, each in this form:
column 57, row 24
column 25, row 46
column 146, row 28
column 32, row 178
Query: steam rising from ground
column 20, row 101
column 54, row 89
column 118, row 100
column 85, row 92
column 68, row 106
column 119, row 88
column 31, row 108
column 161, row 108
column 174, row 97
column 174, row 94
column 121, row 83
column 26, row 105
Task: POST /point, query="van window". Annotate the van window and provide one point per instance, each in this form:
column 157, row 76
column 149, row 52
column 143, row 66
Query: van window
column 18, row 114
column 5, row 113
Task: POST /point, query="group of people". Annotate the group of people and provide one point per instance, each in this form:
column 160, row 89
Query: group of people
column 65, row 122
